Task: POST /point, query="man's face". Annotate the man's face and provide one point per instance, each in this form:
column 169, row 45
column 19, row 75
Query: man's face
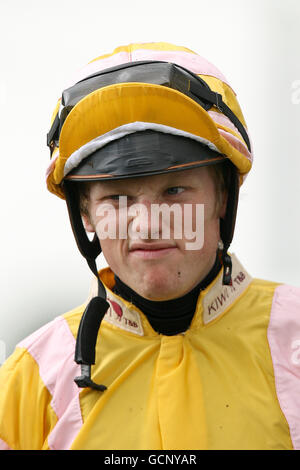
column 155, row 256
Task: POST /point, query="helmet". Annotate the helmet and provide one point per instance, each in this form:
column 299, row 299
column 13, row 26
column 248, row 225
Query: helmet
column 127, row 114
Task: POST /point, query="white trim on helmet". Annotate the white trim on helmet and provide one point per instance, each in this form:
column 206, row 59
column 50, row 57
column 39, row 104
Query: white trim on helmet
column 90, row 147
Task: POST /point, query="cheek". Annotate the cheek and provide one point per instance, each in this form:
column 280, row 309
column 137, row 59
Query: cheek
column 211, row 225
column 200, row 232
column 200, row 216
column 105, row 222
column 112, row 252
column 211, row 222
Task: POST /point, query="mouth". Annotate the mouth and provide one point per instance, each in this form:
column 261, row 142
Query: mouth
column 151, row 250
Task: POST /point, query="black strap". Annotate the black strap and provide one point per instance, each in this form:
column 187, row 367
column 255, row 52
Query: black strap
column 93, row 267
column 228, row 223
column 217, row 100
column 88, row 330
column 89, row 249
column 85, row 350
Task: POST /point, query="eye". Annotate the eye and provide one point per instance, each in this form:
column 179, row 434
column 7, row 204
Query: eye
column 114, row 197
column 175, row 190
column 118, row 200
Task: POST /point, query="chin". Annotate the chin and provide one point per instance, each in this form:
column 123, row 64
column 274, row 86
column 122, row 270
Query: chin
column 159, row 295
column 157, row 288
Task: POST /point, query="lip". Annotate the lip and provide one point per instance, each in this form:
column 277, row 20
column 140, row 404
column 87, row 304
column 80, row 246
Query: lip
column 151, row 250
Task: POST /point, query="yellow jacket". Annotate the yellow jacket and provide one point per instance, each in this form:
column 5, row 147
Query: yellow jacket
column 232, row 381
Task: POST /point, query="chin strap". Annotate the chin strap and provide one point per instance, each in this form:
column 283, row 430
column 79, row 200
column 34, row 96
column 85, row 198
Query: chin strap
column 227, row 268
column 225, row 260
column 228, row 223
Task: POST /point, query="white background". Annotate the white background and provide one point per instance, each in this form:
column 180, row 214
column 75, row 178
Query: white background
column 255, row 43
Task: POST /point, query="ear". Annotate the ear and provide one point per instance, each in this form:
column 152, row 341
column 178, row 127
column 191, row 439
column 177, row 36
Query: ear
column 87, row 224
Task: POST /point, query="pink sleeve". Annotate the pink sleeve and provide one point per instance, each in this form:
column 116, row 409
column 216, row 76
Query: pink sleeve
column 3, row 445
column 284, row 341
column 52, row 347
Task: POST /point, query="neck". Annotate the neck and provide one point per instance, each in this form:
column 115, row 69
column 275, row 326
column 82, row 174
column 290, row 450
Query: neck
column 169, row 317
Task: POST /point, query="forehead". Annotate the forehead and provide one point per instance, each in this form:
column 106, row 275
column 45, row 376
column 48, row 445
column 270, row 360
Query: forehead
column 197, row 177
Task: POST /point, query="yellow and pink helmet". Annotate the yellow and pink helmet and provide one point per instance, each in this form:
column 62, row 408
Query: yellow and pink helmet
column 129, row 90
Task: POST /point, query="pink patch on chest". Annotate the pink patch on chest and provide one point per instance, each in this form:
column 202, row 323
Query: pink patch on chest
column 118, row 310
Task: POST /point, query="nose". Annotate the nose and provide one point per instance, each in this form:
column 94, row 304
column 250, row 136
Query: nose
column 141, row 224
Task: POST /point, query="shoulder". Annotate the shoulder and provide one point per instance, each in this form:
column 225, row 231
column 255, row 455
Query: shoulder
column 264, row 285
column 284, row 296
column 285, row 311
column 58, row 333
column 50, row 349
column 39, row 375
